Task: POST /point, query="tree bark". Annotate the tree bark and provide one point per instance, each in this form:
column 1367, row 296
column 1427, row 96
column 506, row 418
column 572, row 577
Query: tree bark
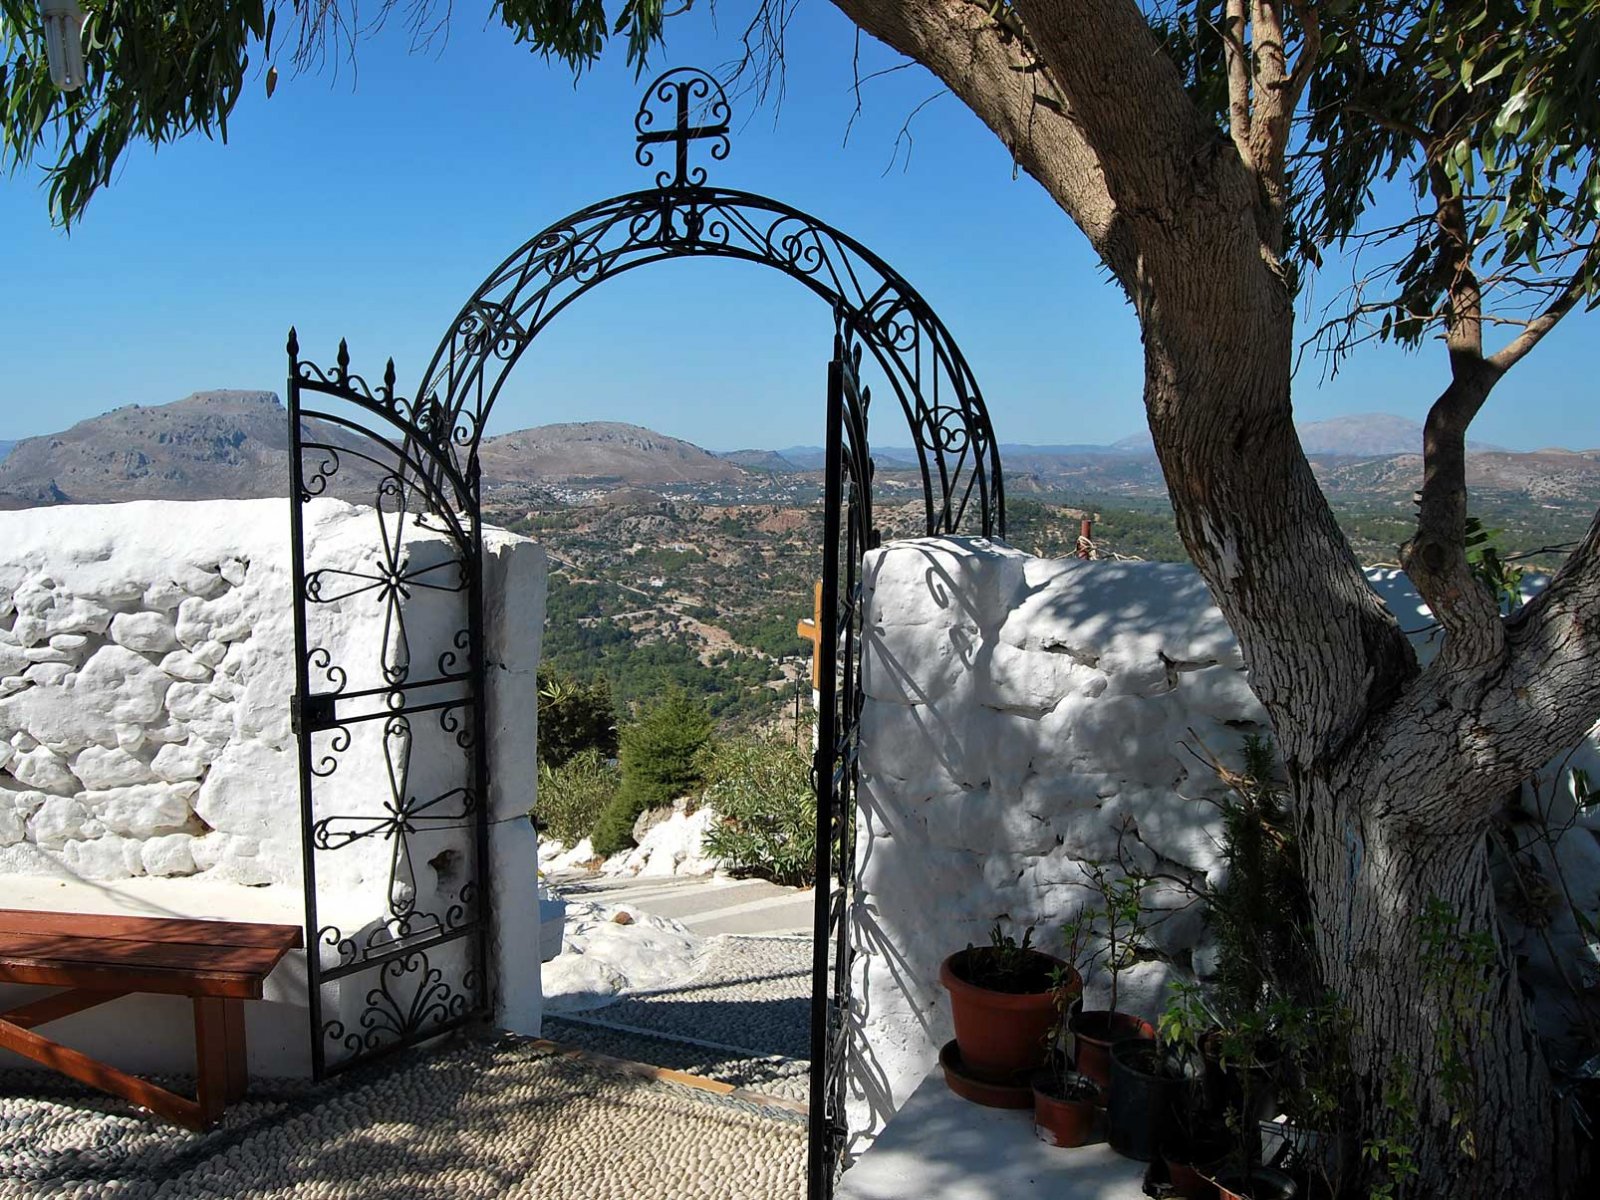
column 1393, row 771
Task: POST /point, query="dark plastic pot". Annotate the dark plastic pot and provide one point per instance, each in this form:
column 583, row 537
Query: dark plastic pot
column 1064, row 1121
column 1259, row 1183
column 1095, row 1032
column 1143, row 1081
column 1003, row 1036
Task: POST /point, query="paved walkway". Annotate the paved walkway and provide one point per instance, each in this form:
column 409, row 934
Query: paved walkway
column 484, row 1116
column 741, row 1014
column 706, row 906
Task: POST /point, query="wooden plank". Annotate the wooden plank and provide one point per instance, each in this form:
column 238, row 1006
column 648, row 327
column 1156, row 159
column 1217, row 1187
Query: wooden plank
column 96, row 1074
column 118, row 978
column 164, row 956
column 153, row 929
column 53, row 1008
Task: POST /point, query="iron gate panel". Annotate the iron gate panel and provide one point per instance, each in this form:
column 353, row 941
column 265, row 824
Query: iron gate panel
column 389, row 716
column 848, row 533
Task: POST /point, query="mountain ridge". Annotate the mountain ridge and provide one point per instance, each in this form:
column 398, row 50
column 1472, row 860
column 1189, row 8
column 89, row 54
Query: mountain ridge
column 234, row 443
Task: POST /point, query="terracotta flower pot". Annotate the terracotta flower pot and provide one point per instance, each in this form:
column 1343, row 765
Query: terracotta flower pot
column 1259, row 1183
column 1095, row 1031
column 1194, row 1163
column 1059, row 1120
column 1003, row 1036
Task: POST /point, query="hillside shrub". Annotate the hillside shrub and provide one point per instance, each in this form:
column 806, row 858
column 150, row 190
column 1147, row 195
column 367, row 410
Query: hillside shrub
column 760, row 789
column 574, row 716
column 662, row 758
column 572, row 796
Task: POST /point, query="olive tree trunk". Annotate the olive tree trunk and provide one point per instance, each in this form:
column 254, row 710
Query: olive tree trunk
column 1393, row 771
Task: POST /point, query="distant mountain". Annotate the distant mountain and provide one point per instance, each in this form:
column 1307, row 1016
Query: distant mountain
column 763, row 461
column 5, row 449
column 1366, row 434
column 601, row 451
column 221, row 443
column 1360, row 435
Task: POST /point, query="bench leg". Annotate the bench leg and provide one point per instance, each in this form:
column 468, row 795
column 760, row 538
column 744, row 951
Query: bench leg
column 211, row 1057
column 238, row 1075
column 79, row 1066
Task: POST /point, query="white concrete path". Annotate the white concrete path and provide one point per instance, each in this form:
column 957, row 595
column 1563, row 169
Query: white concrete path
column 705, row 904
column 939, row 1145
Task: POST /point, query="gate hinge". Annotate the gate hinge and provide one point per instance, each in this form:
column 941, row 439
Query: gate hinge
column 309, row 713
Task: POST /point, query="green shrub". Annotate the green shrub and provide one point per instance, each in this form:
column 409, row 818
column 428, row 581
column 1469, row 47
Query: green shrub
column 662, row 759
column 760, row 789
column 573, row 795
column 574, row 716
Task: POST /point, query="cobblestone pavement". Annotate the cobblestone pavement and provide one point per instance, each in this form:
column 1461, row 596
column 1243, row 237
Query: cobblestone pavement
column 743, row 1017
column 478, row 1116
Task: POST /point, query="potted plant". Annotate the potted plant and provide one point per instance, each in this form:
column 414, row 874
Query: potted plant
column 1003, row 1001
column 1096, row 1030
column 1065, row 1103
column 1257, row 1183
column 1196, row 1143
column 1145, row 1079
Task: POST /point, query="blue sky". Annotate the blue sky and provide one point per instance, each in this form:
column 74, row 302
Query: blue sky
column 368, row 204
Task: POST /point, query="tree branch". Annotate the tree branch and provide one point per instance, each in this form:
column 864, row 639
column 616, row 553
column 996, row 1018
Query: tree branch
column 1238, row 58
column 995, row 73
column 1514, row 351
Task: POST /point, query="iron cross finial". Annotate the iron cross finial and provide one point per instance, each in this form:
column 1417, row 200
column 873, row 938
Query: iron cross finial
column 689, row 93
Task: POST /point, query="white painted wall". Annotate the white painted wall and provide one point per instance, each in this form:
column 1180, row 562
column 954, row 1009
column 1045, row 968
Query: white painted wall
column 1021, row 715
column 146, row 755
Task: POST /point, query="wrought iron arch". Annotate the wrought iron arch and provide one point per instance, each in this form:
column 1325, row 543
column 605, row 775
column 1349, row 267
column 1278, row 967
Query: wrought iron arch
column 413, row 973
column 683, row 218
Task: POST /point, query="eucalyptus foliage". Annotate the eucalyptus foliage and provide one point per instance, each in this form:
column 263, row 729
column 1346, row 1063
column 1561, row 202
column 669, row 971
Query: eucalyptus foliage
column 158, row 70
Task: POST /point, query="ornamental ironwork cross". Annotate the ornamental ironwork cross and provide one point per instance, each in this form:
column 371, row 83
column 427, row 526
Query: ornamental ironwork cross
column 683, row 132
column 810, row 628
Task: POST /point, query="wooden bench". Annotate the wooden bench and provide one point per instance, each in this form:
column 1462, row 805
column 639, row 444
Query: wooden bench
column 219, row 964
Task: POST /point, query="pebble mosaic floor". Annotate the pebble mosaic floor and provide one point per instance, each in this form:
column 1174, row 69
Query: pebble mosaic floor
column 474, row 1117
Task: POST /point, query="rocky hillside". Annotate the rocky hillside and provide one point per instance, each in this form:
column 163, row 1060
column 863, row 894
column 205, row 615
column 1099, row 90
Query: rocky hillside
column 210, row 444
column 601, row 451
column 235, row 444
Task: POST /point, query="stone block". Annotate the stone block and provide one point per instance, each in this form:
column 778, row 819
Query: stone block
column 176, row 762
column 168, row 854
column 14, row 659
column 144, row 810
column 107, row 857
column 182, row 665
column 61, row 819
column 247, row 790
column 146, row 632
column 48, row 674
column 43, row 769
column 123, row 686
column 98, row 767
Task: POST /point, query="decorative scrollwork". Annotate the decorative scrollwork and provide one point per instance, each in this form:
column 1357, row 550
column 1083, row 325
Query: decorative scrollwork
column 319, row 658
column 461, row 645
column 328, row 763
column 315, row 482
column 699, row 111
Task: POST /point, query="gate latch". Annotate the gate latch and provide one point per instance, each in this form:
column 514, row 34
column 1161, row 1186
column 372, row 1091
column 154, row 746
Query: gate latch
column 309, row 713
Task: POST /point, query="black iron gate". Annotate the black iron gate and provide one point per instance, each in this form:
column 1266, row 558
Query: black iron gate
column 412, row 961
column 848, row 533
column 389, row 712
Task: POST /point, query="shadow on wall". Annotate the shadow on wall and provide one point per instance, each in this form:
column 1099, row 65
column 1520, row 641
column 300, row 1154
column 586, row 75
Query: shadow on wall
column 1023, row 720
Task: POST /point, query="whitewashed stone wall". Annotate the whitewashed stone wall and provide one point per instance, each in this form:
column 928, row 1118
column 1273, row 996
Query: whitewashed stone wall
column 146, row 659
column 146, row 669
column 1024, row 717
